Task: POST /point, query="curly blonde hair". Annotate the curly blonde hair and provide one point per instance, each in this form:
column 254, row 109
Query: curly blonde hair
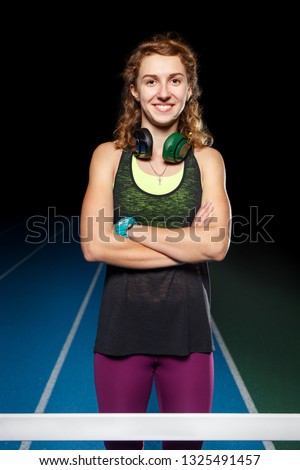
column 190, row 120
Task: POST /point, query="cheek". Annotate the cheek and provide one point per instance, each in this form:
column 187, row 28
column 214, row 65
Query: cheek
column 185, row 94
column 181, row 93
column 182, row 98
column 147, row 95
column 180, row 109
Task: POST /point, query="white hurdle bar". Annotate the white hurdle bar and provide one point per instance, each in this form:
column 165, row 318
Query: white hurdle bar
column 149, row 426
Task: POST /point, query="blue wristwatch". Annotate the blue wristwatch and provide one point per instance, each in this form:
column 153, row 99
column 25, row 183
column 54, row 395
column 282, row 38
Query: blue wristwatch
column 123, row 225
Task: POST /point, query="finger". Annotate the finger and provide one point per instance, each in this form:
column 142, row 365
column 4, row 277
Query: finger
column 203, row 213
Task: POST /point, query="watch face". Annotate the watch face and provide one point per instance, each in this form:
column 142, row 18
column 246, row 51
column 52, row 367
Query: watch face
column 123, row 225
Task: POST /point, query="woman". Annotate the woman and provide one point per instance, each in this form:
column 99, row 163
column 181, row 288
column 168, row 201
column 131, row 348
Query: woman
column 156, row 211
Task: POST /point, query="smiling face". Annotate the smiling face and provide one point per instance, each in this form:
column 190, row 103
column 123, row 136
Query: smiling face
column 162, row 89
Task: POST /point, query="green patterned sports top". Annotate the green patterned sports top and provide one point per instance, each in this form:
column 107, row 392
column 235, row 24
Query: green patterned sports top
column 162, row 311
column 177, row 208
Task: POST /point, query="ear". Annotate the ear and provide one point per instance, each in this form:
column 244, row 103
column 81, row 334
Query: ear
column 134, row 93
column 189, row 93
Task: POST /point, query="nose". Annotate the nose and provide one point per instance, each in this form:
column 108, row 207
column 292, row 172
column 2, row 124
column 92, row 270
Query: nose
column 163, row 92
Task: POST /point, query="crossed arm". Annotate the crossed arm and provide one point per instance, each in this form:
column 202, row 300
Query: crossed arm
column 152, row 247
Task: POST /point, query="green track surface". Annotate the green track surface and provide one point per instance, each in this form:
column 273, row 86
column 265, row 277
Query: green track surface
column 256, row 306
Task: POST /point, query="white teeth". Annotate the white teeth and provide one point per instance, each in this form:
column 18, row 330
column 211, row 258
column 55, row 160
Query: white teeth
column 163, row 107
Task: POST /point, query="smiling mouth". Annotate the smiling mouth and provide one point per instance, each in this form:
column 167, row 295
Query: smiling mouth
column 163, row 107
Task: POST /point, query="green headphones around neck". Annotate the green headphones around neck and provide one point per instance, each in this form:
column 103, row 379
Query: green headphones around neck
column 175, row 147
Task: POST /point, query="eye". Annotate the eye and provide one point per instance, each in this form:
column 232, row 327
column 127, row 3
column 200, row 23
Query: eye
column 175, row 81
column 150, row 82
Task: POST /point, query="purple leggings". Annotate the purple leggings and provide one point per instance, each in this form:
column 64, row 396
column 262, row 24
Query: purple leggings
column 183, row 385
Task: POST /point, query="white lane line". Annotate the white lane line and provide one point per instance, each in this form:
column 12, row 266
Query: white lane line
column 15, row 266
column 238, row 379
column 12, row 227
column 63, row 354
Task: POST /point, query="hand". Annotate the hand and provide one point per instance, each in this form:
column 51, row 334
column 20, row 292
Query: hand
column 202, row 218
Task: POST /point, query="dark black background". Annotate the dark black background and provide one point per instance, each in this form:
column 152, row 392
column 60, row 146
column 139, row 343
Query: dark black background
column 61, row 93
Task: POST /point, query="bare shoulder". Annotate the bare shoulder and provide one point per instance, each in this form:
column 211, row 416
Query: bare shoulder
column 208, row 155
column 106, row 152
column 104, row 162
column 209, row 160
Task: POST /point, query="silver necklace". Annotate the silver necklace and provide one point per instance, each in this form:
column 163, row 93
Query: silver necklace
column 159, row 175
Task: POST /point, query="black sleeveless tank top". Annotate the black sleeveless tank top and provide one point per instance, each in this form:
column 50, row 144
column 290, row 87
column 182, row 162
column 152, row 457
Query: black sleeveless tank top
column 162, row 311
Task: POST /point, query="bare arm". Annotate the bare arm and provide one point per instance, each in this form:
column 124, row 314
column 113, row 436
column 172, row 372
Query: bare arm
column 98, row 240
column 201, row 241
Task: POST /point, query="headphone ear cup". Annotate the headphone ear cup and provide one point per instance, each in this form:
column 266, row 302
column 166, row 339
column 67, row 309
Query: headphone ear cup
column 143, row 144
column 175, row 148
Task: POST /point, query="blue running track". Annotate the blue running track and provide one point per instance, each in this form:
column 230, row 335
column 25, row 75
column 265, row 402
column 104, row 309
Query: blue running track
column 50, row 299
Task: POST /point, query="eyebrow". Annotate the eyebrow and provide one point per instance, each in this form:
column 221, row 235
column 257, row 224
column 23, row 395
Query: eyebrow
column 149, row 75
